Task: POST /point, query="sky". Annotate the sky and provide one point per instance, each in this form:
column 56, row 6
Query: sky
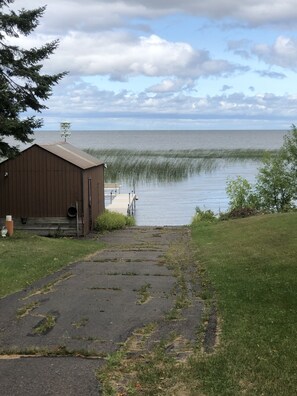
column 170, row 64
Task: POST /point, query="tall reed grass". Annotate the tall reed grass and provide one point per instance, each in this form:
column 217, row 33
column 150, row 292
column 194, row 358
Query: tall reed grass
column 170, row 165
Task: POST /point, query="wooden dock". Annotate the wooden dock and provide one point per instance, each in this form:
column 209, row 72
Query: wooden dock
column 117, row 202
column 123, row 203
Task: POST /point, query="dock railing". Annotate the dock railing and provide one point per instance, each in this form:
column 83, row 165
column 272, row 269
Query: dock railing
column 118, row 202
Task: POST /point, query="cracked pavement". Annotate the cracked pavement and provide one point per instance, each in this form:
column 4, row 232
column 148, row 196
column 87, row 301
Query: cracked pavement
column 55, row 334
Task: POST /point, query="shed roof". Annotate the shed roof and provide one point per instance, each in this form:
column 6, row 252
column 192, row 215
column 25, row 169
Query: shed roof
column 72, row 154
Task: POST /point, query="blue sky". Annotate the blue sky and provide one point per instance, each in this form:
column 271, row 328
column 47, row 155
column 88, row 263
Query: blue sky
column 160, row 64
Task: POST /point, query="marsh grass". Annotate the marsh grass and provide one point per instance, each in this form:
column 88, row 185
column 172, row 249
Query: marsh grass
column 195, row 153
column 170, row 165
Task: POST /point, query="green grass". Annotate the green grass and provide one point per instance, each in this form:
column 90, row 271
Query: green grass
column 24, row 258
column 252, row 266
column 170, row 165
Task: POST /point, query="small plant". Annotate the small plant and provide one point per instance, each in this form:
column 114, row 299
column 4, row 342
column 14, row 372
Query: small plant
column 114, row 359
column 109, row 221
column 81, row 323
column 173, row 314
column 144, row 294
column 49, row 287
column 25, row 310
column 130, row 221
column 45, row 325
column 207, row 216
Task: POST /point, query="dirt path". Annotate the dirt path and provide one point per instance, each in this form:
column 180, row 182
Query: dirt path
column 69, row 322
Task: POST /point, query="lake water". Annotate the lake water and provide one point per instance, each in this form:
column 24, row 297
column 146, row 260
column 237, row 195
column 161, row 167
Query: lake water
column 174, row 203
column 168, row 140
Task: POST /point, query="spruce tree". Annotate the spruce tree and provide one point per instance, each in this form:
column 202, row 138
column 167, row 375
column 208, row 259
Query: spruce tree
column 23, row 86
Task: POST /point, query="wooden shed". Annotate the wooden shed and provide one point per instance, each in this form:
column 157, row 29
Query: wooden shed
column 51, row 188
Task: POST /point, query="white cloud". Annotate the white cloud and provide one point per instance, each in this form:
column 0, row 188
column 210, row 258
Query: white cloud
column 168, row 85
column 282, row 53
column 121, row 56
column 90, row 15
column 101, row 38
column 248, row 11
column 100, row 14
column 83, row 100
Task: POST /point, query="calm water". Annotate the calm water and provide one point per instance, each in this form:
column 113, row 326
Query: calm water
column 168, row 140
column 174, row 203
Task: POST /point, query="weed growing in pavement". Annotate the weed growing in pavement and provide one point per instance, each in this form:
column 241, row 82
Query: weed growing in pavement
column 45, row 325
column 81, row 323
column 144, row 293
column 49, row 287
column 26, row 309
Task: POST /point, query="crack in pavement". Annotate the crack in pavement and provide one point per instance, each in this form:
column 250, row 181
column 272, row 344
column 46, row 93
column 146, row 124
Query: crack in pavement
column 95, row 312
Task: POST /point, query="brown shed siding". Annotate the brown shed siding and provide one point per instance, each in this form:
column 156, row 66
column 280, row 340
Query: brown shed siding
column 39, row 185
column 93, row 177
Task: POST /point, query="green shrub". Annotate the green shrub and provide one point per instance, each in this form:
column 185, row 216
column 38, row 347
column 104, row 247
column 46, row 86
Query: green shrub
column 207, row 216
column 109, row 221
column 276, row 184
column 130, row 221
column 241, row 194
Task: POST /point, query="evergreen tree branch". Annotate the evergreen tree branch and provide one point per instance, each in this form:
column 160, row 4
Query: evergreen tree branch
column 23, row 87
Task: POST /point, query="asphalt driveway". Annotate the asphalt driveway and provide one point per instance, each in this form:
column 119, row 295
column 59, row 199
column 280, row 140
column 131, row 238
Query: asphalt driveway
column 57, row 333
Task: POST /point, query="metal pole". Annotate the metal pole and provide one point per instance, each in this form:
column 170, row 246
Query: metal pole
column 77, row 225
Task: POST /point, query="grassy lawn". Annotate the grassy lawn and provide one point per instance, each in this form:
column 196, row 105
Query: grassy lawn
column 252, row 265
column 25, row 258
